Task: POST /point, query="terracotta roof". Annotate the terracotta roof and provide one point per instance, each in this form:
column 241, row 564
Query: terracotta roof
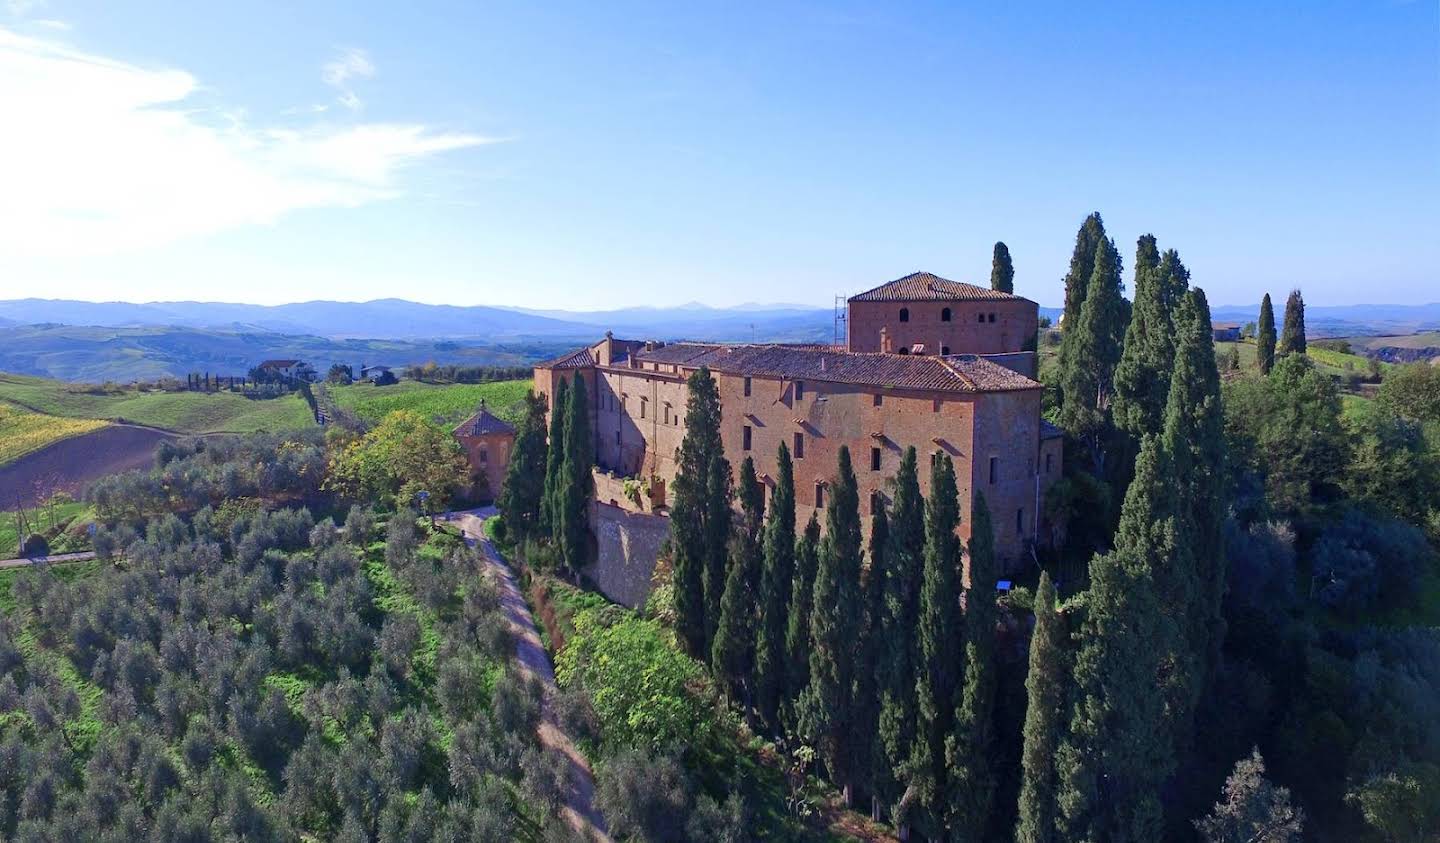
column 481, row 423
column 958, row 373
column 580, row 358
column 924, row 286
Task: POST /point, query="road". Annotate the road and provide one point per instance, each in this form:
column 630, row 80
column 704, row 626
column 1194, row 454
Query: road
column 59, row 557
column 579, row 810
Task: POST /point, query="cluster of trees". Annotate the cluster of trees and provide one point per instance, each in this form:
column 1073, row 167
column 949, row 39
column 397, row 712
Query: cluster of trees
column 269, row 681
column 432, row 373
column 192, row 474
column 549, row 481
column 406, row 458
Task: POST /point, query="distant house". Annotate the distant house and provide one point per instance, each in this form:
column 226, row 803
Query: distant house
column 287, row 370
column 487, row 441
column 1225, row 331
column 377, row 374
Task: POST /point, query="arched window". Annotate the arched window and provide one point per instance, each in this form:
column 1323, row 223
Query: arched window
column 904, row 350
column 944, row 349
column 945, row 314
column 904, row 314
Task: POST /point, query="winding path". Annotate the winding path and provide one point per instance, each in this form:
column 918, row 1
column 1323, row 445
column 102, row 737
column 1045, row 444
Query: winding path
column 579, row 809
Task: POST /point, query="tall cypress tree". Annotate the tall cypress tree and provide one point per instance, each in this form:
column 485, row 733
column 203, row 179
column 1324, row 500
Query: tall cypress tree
column 1292, row 336
column 1077, row 281
column 1002, row 271
column 1118, row 750
column 1093, row 349
column 691, row 527
column 554, row 457
column 1045, row 687
column 939, row 632
column 875, row 775
column 827, row 708
column 774, row 598
column 1174, row 280
column 732, row 654
column 969, row 752
column 717, row 540
column 797, row 631
column 904, row 562
column 520, row 497
column 577, row 481
column 1194, row 437
column 1142, row 377
column 1265, row 337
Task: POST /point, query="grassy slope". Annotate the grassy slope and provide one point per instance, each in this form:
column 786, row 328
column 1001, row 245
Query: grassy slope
column 1427, row 339
column 185, row 412
column 64, row 514
column 450, row 402
column 22, row 431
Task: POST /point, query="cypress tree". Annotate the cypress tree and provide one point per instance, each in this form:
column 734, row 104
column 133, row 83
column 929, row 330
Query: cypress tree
column 1045, row 687
column 797, row 631
column 717, row 540
column 577, row 481
column 1118, row 750
column 1142, row 377
column 1077, row 280
column 732, row 655
column 1174, row 281
column 691, row 527
column 1194, row 437
column 1292, row 336
column 519, row 500
column 827, row 707
column 554, row 457
column 1265, row 337
column 874, row 774
column 939, row 633
column 774, row 599
column 972, row 783
column 1002, row 271
column 1093, row 349
column 904, row 562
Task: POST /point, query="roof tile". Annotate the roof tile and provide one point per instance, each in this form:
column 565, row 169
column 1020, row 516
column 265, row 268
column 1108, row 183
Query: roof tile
column 925, row 286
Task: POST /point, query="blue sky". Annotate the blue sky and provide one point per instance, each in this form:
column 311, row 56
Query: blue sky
column 594, row 155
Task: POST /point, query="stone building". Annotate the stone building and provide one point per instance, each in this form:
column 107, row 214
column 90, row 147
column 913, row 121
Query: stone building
column 487, row 441
column 961, row 383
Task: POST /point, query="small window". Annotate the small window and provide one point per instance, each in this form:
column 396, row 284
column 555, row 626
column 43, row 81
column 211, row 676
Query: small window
column 484, row 457
column 1049, row 460
column 877, row 399
column 936, row 457
column 745, row 438
column 667, row 414
column 747, row 387
column 904, row 314
column 874, row 459
column 1020, row 522
column 617, row 438
column 935, row 405
column 992, row 317
column 944, row 349
column 994, row 469
column 799, row 390
column 644, row 402
column 876, row 502
column 904, row 351
column 799, row 446
column 980, row 317
column 819, row 494
column 944, row 314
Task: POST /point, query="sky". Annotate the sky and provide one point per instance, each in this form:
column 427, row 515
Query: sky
column 597, row 155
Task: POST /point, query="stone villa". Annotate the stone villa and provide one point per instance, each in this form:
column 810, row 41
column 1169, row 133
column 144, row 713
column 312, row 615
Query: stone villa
column 944, row 366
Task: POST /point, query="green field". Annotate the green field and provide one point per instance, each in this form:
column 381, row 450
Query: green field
column 1427, row 339
column 22, row 431
column 1330, row 362
column 451, row 403
column 183, row 412
column 64, row 515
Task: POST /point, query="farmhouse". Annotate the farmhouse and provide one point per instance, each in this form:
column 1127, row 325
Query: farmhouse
column 286, row 370
column 1225, row 331
column 487, row 441
column 936, row 364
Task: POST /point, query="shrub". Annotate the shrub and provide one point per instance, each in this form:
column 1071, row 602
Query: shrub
column 644, row 797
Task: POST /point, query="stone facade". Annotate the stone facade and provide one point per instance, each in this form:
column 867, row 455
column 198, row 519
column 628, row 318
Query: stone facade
column 984, row 411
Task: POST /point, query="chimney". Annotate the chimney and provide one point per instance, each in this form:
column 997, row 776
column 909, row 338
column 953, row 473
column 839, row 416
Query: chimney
column 885, row 346
column 822, row 362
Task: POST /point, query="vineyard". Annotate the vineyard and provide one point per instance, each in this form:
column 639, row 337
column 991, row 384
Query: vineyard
column 22, row 432
column 449, row 402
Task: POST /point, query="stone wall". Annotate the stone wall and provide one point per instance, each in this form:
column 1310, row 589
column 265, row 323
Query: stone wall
column 984, row 326
column 628, row 543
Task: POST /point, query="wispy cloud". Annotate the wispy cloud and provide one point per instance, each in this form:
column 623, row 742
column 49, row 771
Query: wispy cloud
column 53, row 24
column 350, row 64
column 101, row 156
column 21, row 8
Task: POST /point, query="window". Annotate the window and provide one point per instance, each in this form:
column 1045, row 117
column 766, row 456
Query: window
column 745, row 438
column 819, row 494
column 876, row 502
column 1049, row 460
column 617, row 438
column 799, row 390
column 904, row 350
column 799, row 446
column 874, row 459
column 994, row 469
column 936, row 457
column 904, row 314
column 877, row 399
column 992, row 317
column 944, row 314
column 935, row 405
column 944, row 349
column 667, row 413
column 980, row 317
column 1020, row 522
column 484, row 456
column 643, row 403
column 747, row 387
